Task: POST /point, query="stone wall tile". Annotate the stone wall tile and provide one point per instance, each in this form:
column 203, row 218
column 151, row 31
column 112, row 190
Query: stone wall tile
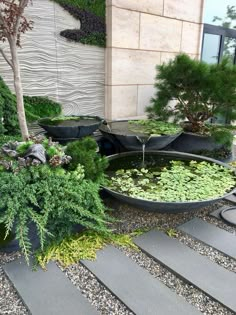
column 191, row 38
column 159, row 33
column 188, row 10
column 125, row 28
column 133, row 66
column 124, row 101
column 148, row 6
column 145, row 93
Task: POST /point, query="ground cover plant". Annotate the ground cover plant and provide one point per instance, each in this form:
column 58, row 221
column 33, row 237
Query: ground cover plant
column 91, row 15
column 178, row 182
column 83, row 246
column 37, row 188
column 35, row 107
column 201, row 92
column 154, row 127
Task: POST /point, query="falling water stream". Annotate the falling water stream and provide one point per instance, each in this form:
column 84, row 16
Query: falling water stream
column 143, row 140
column 143, row 148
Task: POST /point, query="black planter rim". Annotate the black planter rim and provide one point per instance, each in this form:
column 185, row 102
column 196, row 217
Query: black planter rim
column 132, row 135
column 174, row 153
column 42, row 124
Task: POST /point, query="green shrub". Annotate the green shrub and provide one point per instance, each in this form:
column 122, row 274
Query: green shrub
column 201, row 91
column 8, row 113
column 53, row 198
column 38, row 107
column 6, row 138
column 35, row 107
column 84, row 152
column 95, row 39
column 98, row 7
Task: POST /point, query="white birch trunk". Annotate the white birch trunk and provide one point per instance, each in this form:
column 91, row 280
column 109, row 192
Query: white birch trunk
column 19, row 91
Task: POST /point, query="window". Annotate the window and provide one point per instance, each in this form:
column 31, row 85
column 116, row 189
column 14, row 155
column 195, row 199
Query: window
column 219, row 34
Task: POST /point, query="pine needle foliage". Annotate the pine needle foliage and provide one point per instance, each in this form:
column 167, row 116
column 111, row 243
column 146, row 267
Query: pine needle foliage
column 201, row 91
column 84, row 152
column 53, row 199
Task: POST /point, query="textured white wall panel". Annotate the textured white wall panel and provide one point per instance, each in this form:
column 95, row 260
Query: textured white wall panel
column 52, row 66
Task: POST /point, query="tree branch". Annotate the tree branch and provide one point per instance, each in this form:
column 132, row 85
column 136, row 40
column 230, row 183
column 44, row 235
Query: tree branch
column 22, row 5
column 6, row 58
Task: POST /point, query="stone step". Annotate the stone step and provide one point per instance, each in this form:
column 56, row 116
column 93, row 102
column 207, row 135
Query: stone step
column 209, row 234
column 231, row 198
column 204, row 274
column 47, row 292
column 134, row 286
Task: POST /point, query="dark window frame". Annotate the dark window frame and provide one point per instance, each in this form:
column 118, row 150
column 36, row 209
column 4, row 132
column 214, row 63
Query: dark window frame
column 222, row 32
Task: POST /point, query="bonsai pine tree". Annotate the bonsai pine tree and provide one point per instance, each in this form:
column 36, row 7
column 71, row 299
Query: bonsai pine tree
column 13, row 24
column 201, row 91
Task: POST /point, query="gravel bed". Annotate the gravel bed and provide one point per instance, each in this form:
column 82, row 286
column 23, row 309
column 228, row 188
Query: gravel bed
column 194, row 296
column 128, row 220
column 10, row 302
column 96, row 293
column 220, row 223
column 205, row 250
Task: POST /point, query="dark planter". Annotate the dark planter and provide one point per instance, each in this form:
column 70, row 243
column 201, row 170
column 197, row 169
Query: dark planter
column 133, row 159
column 13, row 245
column 117, row 131
column 71, row 129
column 191, row 143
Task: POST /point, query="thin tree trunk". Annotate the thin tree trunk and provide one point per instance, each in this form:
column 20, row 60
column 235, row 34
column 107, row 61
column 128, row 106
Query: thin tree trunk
column 19, row 92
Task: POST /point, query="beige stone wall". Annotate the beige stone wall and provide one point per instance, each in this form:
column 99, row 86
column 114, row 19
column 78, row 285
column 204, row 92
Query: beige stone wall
column 142, row 34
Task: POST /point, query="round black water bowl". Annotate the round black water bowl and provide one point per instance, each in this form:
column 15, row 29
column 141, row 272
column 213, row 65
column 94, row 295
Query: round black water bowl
column 229, row 215
column 189, row 142
column 129, row 160
column 74, row 128
column 133, row 141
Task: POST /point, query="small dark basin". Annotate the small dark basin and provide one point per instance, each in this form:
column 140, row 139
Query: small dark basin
column 73, row 128
column 130, row 160
column 133, row 140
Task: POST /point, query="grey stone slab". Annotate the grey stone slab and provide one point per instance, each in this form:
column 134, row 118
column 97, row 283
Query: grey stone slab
column 135, row 287
column 47, row 292
column 211, row 235
column 231, row 198
column 206, row 275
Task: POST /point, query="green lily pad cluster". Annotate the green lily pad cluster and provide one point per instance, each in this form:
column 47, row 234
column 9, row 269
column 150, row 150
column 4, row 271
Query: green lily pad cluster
column 178, row 182
column 154, row 127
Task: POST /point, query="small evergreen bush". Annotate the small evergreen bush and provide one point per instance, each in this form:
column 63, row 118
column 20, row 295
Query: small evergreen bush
column 53, row 198
column 84, row 152
column 201, row 91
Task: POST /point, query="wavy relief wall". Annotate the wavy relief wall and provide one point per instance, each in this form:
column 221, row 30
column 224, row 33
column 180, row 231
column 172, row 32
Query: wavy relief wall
column 68, row 72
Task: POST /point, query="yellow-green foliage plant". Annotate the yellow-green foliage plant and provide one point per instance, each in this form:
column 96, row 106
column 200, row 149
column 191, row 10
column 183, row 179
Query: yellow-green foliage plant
column 83, row 246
